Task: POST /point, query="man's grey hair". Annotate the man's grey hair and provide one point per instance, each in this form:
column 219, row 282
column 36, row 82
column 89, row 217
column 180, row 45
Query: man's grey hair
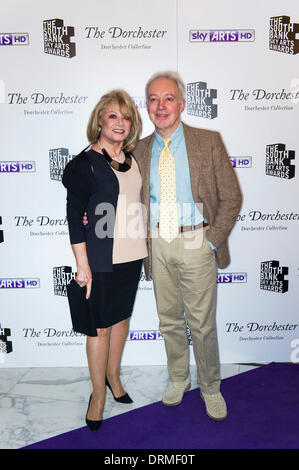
column 171, row 75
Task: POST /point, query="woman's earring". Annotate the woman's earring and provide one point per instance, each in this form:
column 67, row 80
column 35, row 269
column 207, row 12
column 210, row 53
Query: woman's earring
column 99, row 129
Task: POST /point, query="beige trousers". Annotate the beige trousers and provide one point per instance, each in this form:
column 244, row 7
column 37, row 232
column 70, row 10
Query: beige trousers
column 184, row 275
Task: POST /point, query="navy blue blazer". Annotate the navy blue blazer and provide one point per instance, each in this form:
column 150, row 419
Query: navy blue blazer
column 90, row 181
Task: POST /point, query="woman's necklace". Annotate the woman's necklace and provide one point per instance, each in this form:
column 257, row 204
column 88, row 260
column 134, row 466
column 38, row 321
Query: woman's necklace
column 125, row 166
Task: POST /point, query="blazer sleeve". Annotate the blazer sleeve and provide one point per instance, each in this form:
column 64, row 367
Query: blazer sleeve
column 228, row 192
column 75, row 180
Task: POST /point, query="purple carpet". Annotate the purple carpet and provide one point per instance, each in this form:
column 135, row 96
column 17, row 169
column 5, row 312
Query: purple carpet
column 263, row 413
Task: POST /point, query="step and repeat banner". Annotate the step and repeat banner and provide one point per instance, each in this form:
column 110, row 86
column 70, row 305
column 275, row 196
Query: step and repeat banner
column 240, row 63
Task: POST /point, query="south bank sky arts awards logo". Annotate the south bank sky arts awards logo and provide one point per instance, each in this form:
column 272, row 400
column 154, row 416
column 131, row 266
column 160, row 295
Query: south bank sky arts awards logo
column 57, row 38
column 62, row 276
column 279, row 161
column 272, row 277
column 5, row 343
column 283, row 35
column 200, row 100
column 1, row 231
column 58, row 159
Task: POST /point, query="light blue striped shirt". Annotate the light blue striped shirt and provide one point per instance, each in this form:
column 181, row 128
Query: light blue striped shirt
column 188, row 212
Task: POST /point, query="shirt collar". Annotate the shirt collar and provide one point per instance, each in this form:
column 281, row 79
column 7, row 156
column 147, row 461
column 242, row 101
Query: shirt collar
column 173, row 137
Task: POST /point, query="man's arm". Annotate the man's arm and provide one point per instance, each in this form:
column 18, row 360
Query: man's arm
column 228, row 193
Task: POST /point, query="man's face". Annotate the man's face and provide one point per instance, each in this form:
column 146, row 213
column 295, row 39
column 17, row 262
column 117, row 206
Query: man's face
column 164, row 106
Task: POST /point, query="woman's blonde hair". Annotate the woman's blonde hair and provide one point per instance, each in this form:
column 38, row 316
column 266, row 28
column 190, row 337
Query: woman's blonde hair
column 123, row 99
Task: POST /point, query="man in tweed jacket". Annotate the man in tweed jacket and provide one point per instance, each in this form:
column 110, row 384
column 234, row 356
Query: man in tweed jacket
column 184, row 270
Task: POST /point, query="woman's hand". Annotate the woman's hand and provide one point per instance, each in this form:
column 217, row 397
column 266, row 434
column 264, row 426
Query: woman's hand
column 84, row 274
column 85, row 220
column 84, row 278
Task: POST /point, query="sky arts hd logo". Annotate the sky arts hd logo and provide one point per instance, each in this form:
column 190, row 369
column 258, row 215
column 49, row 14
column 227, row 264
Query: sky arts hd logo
column 283, row 35
column 278, row 161
column 241, row 162
column 221, row 35
column 140, row 102
column 19, row 283
column 229, row 278
column 144, row 335
column 200, row 100
column 272, row 277
column 58, row 159
column 57, row 38
column 152, row 335
column 14, row 39
column 17, row 167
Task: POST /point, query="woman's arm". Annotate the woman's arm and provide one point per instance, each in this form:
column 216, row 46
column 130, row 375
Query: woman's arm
column 75, row 179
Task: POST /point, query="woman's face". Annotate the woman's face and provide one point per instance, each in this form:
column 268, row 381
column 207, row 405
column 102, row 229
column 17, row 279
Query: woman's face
column 116, row 124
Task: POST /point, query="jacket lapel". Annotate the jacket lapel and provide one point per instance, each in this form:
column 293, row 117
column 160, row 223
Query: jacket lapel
column 145, row 165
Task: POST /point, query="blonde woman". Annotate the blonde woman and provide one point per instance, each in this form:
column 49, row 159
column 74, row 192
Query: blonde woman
column 104, row 181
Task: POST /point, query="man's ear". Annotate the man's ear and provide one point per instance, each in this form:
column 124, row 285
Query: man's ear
column 183, row 103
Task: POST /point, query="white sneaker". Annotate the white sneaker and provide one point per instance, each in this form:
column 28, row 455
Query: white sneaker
column 174, row 392
column 215, row 405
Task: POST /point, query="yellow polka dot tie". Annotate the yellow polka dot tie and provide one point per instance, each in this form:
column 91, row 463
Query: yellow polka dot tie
column 168, row 224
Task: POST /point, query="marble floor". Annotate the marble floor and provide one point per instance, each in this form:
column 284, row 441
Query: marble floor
column 38, row 403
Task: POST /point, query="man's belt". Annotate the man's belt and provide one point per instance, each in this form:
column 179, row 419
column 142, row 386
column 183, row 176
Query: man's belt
column 189, row 228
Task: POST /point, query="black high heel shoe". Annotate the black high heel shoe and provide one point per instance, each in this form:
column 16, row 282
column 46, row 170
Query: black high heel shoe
column 92, row 424
column 123, row 399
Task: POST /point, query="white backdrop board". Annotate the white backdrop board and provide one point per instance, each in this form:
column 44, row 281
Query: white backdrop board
column 240, row 64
